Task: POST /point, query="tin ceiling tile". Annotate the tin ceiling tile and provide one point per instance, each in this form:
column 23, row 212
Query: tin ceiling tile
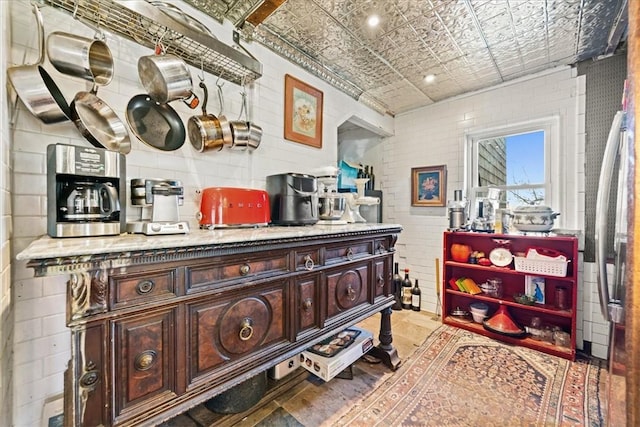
column 465, row 43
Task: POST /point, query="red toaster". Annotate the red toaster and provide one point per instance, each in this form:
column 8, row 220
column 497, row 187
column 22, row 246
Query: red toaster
column 233, row 207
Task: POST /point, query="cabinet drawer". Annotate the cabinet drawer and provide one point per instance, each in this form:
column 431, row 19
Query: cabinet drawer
column 144, row 362
column 140, row 288
column 307, row 259
column 229, row 270
column 347, row 289
column 348, row 252
column 225, row 330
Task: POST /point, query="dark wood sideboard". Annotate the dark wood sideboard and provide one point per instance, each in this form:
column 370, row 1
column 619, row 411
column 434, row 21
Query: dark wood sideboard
column 161, row 324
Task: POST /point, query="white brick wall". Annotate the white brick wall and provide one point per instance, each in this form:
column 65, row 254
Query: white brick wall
column 6, row 302
column 42, row 342
column 435, row 135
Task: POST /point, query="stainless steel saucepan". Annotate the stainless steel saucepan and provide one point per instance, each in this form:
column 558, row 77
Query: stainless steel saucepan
column 166, row 78
column 204, row 131
column 36, row 88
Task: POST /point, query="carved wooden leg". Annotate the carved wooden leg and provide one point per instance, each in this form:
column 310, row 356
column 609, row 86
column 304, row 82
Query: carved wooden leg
column 385, row 351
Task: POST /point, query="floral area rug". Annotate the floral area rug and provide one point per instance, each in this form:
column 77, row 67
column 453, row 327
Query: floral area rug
column 458, row 378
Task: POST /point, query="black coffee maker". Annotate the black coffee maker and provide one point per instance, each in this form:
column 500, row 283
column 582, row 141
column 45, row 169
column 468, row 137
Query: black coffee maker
column 86, row 191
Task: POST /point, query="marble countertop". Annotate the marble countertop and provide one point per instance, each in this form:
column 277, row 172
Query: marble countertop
column 47, row 247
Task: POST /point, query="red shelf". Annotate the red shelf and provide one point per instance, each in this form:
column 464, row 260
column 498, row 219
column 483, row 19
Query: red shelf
column 513, row 282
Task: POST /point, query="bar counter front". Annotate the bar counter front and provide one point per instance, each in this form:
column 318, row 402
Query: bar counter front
column 160, row 324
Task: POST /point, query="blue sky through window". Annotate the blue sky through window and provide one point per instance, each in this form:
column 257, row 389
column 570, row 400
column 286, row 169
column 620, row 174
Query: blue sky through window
column 525, row 158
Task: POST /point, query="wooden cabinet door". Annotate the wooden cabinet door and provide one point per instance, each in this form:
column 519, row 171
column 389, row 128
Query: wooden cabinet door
column 382, row 276
column 347, row 288
column 307, row 305
column 224, row 330
column 144, row 357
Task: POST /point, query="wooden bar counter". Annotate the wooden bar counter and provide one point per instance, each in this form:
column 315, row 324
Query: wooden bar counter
column 160, row 324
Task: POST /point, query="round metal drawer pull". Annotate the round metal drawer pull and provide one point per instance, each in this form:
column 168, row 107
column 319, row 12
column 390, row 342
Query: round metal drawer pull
column 351, row 293
column 349, row 254
column 145, row 287
column 145, row 360
column 246, row 330
column 308, row 263
column 245, row 269
column 307, row 304
column 89, row 379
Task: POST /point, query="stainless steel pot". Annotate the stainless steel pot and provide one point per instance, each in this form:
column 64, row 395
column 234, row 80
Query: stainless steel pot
column 533, row 218
column 88, row 59
column 98, row 123
column 331, row 206
column 36, row 88
column 204, row 131
column 166, row 78
column 240, row 131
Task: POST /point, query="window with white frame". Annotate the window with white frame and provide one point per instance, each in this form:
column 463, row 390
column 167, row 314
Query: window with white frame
column 515, row 159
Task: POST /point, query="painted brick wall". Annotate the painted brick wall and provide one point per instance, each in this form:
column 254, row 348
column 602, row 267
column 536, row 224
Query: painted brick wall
column 42, row 342
column 6, row 302
column 435, row 135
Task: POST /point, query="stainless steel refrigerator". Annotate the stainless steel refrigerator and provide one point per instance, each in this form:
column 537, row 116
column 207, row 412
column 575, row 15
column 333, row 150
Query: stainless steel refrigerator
column 614, row 175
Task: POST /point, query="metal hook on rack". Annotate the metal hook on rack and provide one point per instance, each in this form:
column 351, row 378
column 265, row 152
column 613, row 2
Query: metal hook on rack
column 201, row 76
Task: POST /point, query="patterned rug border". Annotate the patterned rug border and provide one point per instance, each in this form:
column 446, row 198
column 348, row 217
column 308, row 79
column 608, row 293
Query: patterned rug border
column 572, row 394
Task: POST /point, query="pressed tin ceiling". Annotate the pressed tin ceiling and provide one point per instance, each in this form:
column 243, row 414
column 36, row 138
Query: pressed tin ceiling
column 466, row 44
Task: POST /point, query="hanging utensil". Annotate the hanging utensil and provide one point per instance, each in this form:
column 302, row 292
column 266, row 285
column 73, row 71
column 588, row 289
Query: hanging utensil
column 98, row 123
column 225, row 125
column 166, row 78
column 204, row 131
column 245, row 134
column 36, row 88
column 82, row 57
column 156, row 125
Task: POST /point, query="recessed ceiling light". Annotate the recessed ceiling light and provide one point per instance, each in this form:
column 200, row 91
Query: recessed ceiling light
column 373, row 20
column 430, row 78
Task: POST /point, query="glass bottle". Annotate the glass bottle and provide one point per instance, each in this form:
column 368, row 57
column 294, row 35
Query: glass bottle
column 406, row 291
column 415, row 297
column 397, row 288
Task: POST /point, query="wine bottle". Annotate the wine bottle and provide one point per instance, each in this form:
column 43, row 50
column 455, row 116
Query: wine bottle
column 415, row 297
column 372, row 178
column 406, row 290
column 397, row 288
column 367, row 186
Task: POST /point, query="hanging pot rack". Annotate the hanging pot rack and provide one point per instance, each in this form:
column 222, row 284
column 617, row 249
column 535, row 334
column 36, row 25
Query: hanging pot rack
column 146, row 25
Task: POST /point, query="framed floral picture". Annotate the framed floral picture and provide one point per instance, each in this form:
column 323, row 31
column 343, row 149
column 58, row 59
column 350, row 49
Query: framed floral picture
column 302, row 112
column 429, row 186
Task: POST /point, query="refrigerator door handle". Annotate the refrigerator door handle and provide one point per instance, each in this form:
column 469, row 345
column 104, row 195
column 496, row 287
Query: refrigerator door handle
column 602, row 207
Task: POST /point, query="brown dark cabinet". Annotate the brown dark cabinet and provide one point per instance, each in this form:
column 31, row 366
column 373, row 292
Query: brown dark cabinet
column 557, row 312
column 155, row 332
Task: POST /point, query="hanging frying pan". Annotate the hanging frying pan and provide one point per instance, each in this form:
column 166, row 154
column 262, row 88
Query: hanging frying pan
column 98, row 123
column 36, row 88
column 157, row 125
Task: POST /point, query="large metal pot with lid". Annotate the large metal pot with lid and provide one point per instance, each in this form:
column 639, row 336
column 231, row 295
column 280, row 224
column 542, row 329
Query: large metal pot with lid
column 533, row 218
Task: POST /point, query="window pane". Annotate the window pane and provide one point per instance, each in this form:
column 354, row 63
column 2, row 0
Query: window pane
column 492, row 162
column 514, row 163
column 525, row 158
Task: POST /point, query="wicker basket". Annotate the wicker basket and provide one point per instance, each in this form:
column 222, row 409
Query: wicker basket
column 541, row 266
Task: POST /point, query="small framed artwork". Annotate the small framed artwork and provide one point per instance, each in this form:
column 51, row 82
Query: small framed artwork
column 428, row 186
column 302, row 112
column 534, row 286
